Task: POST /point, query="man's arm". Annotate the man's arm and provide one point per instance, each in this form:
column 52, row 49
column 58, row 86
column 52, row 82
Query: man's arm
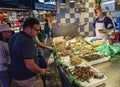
column 32, row 66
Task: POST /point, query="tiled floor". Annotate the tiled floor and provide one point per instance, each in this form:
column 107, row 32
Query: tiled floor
column 53, row 79
column 112, row 70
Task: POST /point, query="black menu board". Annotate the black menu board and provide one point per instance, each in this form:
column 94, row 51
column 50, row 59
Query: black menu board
column 16, row 3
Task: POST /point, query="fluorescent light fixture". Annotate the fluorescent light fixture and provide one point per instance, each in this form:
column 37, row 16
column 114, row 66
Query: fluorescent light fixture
column 42, row 1
column 71, row 0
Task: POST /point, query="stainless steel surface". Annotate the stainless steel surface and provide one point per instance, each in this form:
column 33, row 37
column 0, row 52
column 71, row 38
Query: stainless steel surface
column 65, row 29
column 82, row 24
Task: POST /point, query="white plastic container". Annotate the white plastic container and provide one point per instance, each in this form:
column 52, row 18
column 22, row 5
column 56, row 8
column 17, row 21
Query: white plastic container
column 93, row 82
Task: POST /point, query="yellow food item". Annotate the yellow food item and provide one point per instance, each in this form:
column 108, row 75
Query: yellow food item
column 75, row 60
column 89, row 47
column 98, row 43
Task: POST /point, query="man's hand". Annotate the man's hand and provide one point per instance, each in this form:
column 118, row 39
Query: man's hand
column 43, row 71
column 32, row 66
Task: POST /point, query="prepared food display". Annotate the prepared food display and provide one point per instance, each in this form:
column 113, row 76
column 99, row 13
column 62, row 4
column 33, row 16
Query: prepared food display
column 75, row 60
column 87, row 75
column 94, row 41
column 59, row 41
column 92, row 57
column 67, row 38
column 78, row 56
column 76, row 46
column 61, row 48
column 83, row 73
column 60, row 44
column 98, row 43
column 84, row 51
column 65, row 53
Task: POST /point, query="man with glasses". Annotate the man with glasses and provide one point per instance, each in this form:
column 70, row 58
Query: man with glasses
column 24, row 67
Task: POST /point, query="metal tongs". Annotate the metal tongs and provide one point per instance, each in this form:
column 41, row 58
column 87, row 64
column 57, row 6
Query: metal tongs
column 82, row 24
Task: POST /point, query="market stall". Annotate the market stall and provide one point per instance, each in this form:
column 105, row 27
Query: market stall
column 74, row 57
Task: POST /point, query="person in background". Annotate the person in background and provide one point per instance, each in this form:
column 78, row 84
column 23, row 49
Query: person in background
column 115, row 38
column 102, row 24
column 17, row 24
column 47, row 30
column 40, row 44
column 24, row 67
column 41, row 35
column 42, row 61
column 5, row 34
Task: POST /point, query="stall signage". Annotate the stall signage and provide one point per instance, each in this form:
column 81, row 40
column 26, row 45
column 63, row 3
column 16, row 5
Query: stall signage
column 15, row 4
column 42, row 6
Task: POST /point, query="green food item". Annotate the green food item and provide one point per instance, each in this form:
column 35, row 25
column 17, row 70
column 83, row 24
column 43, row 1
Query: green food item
column 92, row 57
column 110, row 50
column 58, row 62
column 71, row 78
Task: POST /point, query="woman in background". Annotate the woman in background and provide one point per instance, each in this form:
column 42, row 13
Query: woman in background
column 47, row 31
column 41, row 59
column 102, row 24
column 5, row 34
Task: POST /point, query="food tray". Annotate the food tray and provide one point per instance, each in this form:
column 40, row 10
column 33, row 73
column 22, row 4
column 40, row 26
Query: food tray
column 93, row 82
column 66, row 60
column 71, row 41
column 101, row 60
column 58, row 39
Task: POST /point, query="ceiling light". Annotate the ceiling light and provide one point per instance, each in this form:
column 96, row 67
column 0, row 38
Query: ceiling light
column 71, row 0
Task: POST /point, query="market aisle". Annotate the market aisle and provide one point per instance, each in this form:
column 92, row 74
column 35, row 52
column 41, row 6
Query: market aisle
column 53, row 79
column 112, row 71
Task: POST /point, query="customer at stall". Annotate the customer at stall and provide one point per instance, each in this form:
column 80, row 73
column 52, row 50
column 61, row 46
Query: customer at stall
column 102, row 24
column 5, row 33
column 47, row 31
column 24, row 69
column 42, row 61
column 41, row 45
